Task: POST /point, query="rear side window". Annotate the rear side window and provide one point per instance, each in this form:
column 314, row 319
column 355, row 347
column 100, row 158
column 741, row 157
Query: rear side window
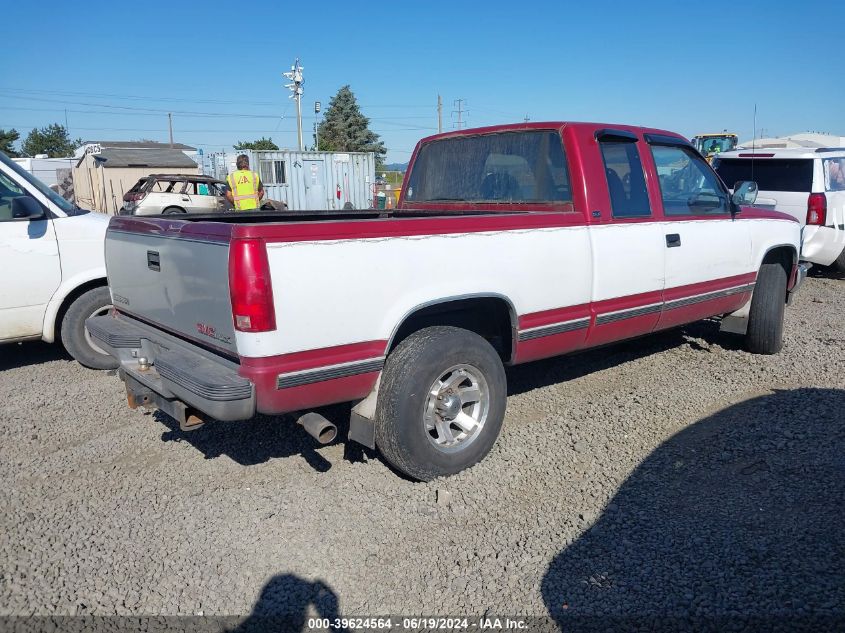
column 139, row 186
column 834, row 174
column 509, row 167
column 770, row 174
column 625, row 180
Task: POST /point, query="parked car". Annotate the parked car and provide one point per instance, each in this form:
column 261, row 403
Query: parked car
column 54, row 273
column 170, row 194
column 809, row 184
column 509, row 244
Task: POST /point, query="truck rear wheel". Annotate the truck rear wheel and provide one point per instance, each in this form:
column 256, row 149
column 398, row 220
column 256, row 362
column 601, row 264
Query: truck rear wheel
column 75, row 337
column 441, row 402
column 765, row 320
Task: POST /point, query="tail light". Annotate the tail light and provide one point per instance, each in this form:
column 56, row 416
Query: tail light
column 250, row 287
column 134, row 196
column 817, row 209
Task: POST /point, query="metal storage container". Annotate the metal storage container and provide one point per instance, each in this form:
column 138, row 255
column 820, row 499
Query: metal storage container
column 310, row 180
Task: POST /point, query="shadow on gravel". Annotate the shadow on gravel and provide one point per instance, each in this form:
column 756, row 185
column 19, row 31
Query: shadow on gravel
column 284, row 603
column 261, row 439
column 14, row 355
column 543, row 373
column 822, row 272
column 735, row 523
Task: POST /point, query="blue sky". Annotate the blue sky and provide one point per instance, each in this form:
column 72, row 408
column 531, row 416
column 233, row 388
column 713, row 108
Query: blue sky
column 684, row 66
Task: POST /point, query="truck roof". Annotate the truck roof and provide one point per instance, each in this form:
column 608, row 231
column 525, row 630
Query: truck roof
column 549, row 125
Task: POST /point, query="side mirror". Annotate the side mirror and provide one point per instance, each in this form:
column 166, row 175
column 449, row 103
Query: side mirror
column 745, row 193
column 26, row 208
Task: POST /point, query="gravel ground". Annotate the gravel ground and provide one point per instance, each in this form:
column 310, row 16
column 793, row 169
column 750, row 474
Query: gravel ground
column 673, row 476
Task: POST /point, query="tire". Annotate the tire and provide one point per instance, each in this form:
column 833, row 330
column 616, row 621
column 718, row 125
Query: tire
column 838, row 264
column 76, row 339
column 173, row 211
column 765, row 320
column 406, row 404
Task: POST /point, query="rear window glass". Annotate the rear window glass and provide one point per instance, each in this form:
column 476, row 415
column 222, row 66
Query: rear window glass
column 510, row 167
column 770, row 174
column 834, row 174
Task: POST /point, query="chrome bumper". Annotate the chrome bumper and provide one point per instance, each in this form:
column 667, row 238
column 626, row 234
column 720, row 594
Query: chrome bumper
column 162, row 371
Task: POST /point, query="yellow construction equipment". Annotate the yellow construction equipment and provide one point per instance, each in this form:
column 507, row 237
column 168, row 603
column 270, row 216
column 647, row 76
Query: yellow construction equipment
column 711, row 144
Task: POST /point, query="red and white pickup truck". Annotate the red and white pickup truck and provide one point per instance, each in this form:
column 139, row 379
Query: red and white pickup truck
column 509, row 244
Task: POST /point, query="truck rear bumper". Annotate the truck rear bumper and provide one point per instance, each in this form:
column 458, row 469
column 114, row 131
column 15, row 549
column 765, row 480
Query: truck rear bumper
column 163, row 371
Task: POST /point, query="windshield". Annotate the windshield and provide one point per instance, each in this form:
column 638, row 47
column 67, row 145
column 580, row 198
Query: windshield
column 716, row 144
column 66, row 206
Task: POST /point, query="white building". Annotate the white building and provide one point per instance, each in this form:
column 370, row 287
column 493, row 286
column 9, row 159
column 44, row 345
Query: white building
column 803, row 139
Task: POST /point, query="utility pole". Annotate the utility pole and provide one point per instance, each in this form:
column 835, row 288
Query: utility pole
column 295, row 75
column 439, row 114
column 170, row 126
column 527, row 118
column 460, row 112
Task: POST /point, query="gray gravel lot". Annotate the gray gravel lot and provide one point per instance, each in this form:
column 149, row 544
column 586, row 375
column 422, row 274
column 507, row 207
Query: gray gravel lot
column 671, row 476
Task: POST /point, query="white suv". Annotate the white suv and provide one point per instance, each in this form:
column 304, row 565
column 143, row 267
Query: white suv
column 807, row 183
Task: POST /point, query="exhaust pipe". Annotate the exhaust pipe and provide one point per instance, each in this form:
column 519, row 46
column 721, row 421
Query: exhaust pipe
column 318, row 427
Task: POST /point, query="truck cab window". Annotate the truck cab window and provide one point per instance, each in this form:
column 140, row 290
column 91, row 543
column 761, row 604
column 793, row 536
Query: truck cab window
column 687, row 184
column 625, row 180
column 520, row 167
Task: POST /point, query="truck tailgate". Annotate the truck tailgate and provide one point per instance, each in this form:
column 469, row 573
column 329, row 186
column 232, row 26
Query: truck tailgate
column 175, row 275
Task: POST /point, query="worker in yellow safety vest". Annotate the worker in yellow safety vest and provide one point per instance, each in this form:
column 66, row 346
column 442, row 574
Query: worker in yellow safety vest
column 245, row 188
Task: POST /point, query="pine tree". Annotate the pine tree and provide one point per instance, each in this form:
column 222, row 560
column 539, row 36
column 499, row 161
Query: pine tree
column 7, row 142
column 346, row 129
column 52, row 140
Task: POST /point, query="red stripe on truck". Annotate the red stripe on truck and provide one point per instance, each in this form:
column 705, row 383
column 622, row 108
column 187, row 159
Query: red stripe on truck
column 264, row 373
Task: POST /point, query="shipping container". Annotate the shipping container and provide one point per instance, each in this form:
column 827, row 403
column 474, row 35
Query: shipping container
column 309, row 180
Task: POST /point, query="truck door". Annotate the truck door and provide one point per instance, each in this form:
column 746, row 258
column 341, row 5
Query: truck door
column 31, row 269
column 628, row 258
column 707, row 251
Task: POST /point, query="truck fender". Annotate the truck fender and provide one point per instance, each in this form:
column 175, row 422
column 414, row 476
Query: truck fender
column 67, row 287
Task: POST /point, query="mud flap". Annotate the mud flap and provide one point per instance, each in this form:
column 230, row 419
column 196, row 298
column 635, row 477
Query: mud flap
column 362, row 426
column 736, row 322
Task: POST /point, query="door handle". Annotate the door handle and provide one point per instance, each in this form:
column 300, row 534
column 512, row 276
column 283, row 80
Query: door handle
column 673, row 240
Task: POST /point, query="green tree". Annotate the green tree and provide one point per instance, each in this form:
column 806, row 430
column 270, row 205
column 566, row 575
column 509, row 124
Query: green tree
column 7, row 142
column 346, row 129
column 52, row 140
column 262, row 143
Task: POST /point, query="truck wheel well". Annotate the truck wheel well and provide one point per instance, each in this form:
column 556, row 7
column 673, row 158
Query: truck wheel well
column 489, row 317
column 73, row 296
column 783, row 255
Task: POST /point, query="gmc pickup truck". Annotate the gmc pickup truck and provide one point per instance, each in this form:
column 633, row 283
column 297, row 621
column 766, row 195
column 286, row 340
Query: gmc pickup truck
column 509, row 244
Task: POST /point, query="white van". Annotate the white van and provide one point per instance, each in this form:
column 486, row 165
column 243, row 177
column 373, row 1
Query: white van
column 54, row 273
column 807, row 183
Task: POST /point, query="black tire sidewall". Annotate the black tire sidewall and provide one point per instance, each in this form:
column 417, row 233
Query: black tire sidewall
column 73, row 329
column 408, row 379
column 766, row 316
